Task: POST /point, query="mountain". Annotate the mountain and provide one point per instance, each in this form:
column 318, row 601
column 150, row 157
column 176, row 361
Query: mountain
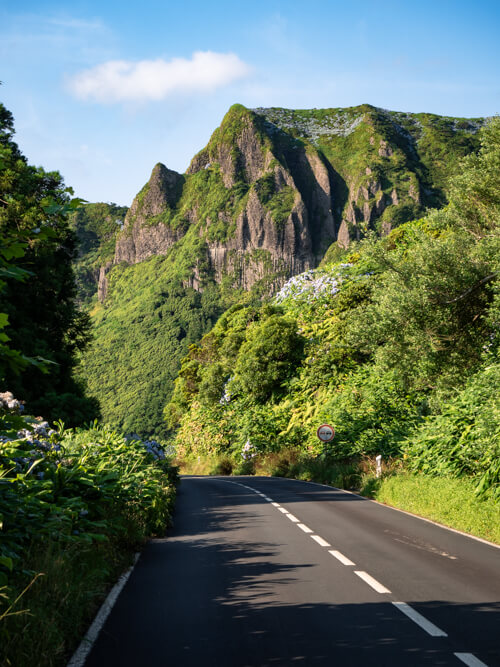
column 274, row 188
column 396, row 345
column 273, row 193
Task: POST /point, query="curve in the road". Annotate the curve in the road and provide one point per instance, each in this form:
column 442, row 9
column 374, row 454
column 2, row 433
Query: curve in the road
column 263, row 571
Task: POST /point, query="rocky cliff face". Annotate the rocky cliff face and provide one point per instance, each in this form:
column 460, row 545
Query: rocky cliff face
column 274, row 188
column 275, row 228
column 262, row 223
column 144, row 232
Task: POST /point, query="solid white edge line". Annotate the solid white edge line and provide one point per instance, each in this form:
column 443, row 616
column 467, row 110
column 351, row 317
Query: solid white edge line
column 320, row 541
column 305, row 528
column 368, row 579
column 470, row 659
column 343, row 559
column 293, row 518
column 420, row 620
column 81, row 653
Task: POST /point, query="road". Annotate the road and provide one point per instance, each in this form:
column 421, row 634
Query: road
column 266, row 571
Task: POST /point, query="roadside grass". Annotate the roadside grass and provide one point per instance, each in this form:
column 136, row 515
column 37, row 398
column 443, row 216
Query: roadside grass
column 447, row 500
column 215, row 465
column 47, row 623
column 345, row 474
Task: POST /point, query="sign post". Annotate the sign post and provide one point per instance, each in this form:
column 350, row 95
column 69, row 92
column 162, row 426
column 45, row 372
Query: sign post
column 325, row 432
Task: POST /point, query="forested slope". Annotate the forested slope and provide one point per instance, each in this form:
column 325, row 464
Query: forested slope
column 43, row 326
column 397, row 347
column 96, row 227
column 273, row 193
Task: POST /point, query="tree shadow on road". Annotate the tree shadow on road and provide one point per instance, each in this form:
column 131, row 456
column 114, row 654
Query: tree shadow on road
column 207, row 595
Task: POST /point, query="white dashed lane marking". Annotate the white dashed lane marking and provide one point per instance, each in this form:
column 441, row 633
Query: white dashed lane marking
column 467, row 658
column 420, row 620
column 343, row 559
column 305, row 528
column 368, row 579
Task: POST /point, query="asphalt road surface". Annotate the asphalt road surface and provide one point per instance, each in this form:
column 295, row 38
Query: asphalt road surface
column 259, row 572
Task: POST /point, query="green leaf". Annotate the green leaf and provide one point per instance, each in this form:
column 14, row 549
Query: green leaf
column 6, row 562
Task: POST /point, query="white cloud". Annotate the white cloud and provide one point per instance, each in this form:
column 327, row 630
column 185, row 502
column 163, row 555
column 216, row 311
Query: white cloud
column 123, row 81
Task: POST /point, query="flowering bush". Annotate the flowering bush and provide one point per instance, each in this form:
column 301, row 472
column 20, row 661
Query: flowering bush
column 248, row 451
column 226, row 396
column 311, row 287
column 84, row 485
column 155, row 448
column 8, row 402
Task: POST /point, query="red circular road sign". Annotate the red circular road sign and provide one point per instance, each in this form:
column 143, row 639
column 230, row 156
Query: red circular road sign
column 325, row 432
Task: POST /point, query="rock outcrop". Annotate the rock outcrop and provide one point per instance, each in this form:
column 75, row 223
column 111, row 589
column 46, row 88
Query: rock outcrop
column 274, row 188
column 144, row 233
column 102, row 285
column 271, row 226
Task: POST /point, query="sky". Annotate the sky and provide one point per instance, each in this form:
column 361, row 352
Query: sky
column 102, row 90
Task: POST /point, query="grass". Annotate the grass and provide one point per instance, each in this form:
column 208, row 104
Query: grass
column 62, row 601
column 447, row 500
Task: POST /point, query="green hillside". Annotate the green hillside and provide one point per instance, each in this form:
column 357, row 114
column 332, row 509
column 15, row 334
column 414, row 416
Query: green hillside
column 274, row 193
column 397, row 347
column 140, row 334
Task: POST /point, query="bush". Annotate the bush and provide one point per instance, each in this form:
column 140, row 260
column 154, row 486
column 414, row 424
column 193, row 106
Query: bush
column 223, row 466
column 74, row 504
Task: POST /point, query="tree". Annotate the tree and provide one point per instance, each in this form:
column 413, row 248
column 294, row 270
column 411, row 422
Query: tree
column 268, row 357
column 44, row 327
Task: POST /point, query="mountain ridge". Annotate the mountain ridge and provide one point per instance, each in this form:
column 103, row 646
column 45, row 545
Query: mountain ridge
column 255, row 207
column 289, row 183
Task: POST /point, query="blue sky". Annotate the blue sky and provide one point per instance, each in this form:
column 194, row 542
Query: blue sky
column 102, row 91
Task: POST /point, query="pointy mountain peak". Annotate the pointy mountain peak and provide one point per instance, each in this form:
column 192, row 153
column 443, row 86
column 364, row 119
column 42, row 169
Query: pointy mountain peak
column 145, row 231
column 238, row 147
column 162, row 189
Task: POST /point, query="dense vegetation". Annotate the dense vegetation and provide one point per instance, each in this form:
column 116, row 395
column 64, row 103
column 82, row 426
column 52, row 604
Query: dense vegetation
column 74, row 503
column 141, row 332
column 43, row 328
column 397, row 347
column 391, row 165
column 74, row 506
column 96, row 227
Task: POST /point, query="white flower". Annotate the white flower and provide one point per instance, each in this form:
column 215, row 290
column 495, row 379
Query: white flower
column 248, row 451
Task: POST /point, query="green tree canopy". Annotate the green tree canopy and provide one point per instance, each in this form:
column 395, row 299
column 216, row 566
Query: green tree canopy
column 43, row 321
